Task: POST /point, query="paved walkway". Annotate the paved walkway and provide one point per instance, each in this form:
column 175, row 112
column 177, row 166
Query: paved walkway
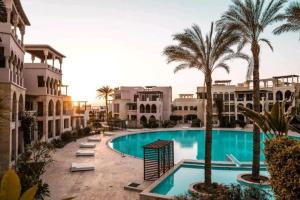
column 112, row 173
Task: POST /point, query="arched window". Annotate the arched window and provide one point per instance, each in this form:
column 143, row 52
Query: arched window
column 153, row 108
column 239, row 110
column 249, row 105
column 185, row 108
column 143, row 120
column 58, row 108
column 142, row 108
column 279, row 96
column 192, row 108
column 21, row 106
column 148, row 108
column 50, row 108
column 287, row 94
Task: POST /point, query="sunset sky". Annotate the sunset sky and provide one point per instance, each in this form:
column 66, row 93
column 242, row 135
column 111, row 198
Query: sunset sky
column 120, row 42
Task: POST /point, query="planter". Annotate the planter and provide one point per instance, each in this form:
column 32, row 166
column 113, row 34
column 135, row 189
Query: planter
column 194, row 191
column 263, row 184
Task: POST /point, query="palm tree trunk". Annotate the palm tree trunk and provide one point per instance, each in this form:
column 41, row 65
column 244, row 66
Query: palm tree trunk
column 208, row 134
column 106, row 105
column 256, row 104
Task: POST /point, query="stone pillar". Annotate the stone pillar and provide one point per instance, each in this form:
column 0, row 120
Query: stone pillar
column 53, row 60
column 22, row 31
column 60, row 63
column 32, row 58
column 15, row 23
column 46, row 56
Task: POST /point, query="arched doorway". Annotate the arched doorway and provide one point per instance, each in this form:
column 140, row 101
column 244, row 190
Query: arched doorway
column 143, row 120
column 50, row 108
column 279, row 96
column 153, row 108
column 148, row 108
column 287, row 94
column 58, row 108
column 142, row 108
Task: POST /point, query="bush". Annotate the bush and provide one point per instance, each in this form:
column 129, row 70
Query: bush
column 168, row 124
column 67, row 137
column 58, row 143
column 196, row 123
column 86, row 131
column 234, row 192
column 283, row 159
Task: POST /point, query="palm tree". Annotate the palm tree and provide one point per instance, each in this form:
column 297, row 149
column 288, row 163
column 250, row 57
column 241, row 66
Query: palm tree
column 105, row 92
column 292, row 17
column 249, row 18
column 205, row 53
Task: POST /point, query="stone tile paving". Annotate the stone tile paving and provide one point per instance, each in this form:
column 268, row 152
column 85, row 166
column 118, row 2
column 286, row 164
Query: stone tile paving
column 112, row 173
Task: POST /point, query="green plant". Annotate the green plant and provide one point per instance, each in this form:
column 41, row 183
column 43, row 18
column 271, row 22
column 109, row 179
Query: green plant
column 86, row 131
column 206, row 54
column 10, row 188
column 233, row 192
column 32, row 164
column 28, row 124
column 292, row 18
column 58, row 143
column 196, row 123
column 283, row 159
column 67, row 137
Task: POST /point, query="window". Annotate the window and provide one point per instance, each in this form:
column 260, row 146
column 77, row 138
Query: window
column 179, row 107
column 240, row 97
column 232, row 108
column 40, row 108
column 270, row 96
column 116, row 108
column 41, row 82
column 231, row 97
column 40, row 129
column 66, row 123
column 2, row 58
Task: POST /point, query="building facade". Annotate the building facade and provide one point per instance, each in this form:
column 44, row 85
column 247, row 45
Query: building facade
column 139, row 105
column 272, row 90
column 12, row 91
column 187, row 107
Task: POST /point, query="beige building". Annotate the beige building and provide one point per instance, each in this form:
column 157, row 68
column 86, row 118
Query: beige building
column 138, row 105
column 272, row 90
column 13, row 21
column 187, row 107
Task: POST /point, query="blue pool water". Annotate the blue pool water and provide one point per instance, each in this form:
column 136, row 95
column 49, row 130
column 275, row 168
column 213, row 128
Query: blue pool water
column 189, row 144
column 178, row 182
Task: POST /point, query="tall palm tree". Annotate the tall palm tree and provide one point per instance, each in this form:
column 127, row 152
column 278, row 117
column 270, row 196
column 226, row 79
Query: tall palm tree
column 105, row 92
column 249, row 18
column 205, row 53
column 292, row 17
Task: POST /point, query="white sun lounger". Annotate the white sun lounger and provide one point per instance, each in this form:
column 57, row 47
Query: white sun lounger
column 87, row 145
column 85, row 153
column 75, row 167
column 94, row 139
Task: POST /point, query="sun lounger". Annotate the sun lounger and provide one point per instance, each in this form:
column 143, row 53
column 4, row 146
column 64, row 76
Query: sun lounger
column 85, row 153
column 87, row 145
column 75, row 167
column 94, row 139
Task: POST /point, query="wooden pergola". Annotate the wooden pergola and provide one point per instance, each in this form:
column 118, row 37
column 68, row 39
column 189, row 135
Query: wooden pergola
column 158, row 159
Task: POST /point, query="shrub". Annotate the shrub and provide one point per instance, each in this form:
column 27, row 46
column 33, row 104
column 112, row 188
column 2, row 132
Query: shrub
column 58, row 143
column 32, row 164
column 86, row 130
column 234, row 192
column 67, row 137
column 283, row 159
column 168, row 124
column 196, row 123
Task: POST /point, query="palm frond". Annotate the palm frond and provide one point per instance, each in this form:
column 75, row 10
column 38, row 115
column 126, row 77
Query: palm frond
column 267, row 42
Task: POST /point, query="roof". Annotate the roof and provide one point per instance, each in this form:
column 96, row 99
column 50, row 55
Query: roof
column 38, row 50
column 222, row 81
column 157, row 144
column 21, row 12
column 287, row 76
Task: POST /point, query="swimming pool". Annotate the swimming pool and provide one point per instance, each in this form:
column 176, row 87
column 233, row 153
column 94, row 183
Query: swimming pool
column 179, row 181
column 189, row 144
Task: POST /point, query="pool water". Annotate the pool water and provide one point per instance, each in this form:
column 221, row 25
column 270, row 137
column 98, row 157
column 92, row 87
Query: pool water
column 189, row 144
column 178, row 182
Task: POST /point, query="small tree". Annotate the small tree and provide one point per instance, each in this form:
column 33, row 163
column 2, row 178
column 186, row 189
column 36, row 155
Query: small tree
column 32, row 164
column 105, row 92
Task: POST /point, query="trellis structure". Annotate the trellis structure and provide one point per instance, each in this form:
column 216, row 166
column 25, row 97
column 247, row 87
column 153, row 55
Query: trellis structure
column 158, row 159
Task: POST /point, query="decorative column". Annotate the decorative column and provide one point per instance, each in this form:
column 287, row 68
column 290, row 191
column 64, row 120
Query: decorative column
column 53, row 60
column 60, row 63
column 32, row 58
column 22, row 31
column 15, row 23
column 46, row 56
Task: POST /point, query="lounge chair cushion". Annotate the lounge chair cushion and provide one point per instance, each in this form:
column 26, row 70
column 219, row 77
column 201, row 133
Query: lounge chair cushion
column 82, row 167
column 87, row 145
column 85, row 153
